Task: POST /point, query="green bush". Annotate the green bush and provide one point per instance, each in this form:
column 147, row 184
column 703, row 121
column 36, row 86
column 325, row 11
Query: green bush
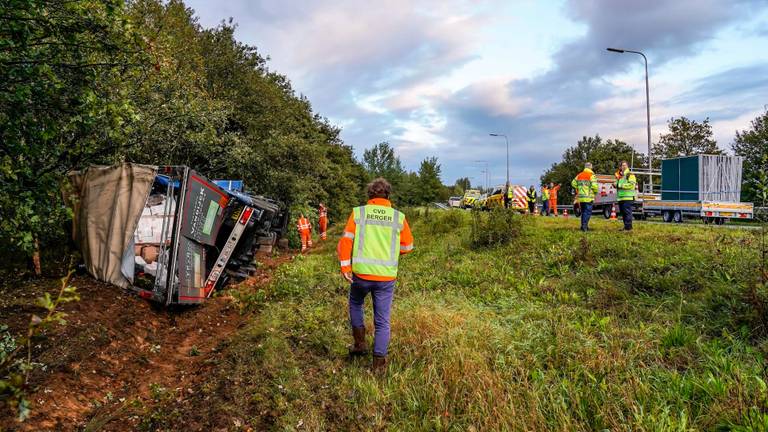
column 498, row 227
column 446, row 221
column 412, row 214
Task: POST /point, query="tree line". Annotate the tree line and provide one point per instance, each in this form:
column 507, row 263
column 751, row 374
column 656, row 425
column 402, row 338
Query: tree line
column 105, row 81
column 410, row 188
column 685, row 137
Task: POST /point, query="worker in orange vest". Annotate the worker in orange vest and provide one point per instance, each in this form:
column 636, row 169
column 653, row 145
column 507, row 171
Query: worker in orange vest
column 553, row 188
column 369, row 251
column 322, row 213
column 305, row 231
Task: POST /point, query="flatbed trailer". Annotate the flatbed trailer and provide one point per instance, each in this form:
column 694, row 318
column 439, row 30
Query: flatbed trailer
column 700, row 186
column 709, row 211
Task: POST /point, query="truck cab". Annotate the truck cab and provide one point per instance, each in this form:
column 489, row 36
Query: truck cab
column 470, row 196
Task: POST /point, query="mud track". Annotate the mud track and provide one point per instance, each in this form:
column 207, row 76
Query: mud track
column 117, row 352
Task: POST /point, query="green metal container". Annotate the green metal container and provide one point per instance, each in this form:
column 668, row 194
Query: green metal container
column 701, row 178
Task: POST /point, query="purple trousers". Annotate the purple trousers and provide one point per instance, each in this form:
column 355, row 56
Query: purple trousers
column 381, row 294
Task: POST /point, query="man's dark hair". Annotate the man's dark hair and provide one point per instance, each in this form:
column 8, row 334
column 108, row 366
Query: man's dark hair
column 379, row 188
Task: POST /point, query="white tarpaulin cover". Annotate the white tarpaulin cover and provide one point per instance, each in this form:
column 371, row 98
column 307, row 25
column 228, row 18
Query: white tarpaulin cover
column 107, row 203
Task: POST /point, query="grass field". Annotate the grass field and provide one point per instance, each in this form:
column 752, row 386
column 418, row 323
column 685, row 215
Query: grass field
column 662, row 329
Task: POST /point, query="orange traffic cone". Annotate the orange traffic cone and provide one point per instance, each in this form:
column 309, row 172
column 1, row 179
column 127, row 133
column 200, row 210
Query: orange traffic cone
column 565, row 213
column 613, row 212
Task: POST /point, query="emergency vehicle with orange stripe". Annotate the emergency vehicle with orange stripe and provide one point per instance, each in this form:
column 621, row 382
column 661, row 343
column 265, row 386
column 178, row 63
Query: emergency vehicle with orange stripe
column 518, row 202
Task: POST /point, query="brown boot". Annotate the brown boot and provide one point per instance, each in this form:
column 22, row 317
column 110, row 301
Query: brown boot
column 359, row 348
column 379, row 366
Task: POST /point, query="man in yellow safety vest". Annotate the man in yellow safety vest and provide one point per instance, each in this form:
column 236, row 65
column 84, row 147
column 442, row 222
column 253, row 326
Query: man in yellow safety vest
column 586, row 187
column 626, row 190
column 374, row 238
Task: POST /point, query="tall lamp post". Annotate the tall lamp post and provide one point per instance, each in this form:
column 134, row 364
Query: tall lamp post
column 647, row 102
column 507, row 140
column 487, row 172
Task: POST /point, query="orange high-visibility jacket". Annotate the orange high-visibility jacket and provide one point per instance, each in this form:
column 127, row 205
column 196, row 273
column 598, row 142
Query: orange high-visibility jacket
column 346, row 243
column 553, row 193
column 303, row 224
column 322, row 212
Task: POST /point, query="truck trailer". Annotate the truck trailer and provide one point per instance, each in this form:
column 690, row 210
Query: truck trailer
column 700, row 186
column 165, row 232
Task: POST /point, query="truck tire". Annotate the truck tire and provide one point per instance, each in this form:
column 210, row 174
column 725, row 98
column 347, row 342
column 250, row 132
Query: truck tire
column 720, row 221
column 678, row 216
column 606, row 212
column 666, row 216
column 577, row 210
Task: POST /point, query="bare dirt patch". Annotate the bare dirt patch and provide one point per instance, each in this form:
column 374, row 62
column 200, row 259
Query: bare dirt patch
column 118, row 352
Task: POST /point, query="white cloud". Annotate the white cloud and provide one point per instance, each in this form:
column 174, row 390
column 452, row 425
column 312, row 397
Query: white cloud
column 435, row 76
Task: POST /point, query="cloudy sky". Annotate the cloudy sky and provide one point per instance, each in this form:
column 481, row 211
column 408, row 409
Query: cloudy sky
column 435, row 77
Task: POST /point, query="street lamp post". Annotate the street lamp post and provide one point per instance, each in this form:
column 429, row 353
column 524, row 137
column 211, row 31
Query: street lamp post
column 647, row 102
column 507, row 141
column 487, row 173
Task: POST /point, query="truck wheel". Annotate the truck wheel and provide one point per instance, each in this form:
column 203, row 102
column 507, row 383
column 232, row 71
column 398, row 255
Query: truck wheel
column 720, row 221
column 577, row 211
column 678, row 216
column 606, row 212
column 666, row 216
column 707, row 220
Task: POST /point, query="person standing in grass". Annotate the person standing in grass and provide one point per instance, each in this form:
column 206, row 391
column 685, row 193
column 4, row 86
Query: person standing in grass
column 374, row 238
column 553, row 188
column 586, row 187
column 531, row 197
column 544, row 200
column 305, row 232
column 626, row 185
column 322, row 221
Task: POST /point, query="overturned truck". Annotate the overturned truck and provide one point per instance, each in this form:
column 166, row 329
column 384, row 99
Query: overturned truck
column 167, row 232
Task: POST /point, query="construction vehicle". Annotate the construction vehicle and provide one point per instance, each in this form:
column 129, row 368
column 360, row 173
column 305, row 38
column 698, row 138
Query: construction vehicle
column 470, row 196
column 495, row 199
column 700, row 186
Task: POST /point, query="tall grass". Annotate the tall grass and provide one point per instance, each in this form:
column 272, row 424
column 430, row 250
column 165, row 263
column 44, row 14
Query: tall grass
column 494, row 228
column 552, row 331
